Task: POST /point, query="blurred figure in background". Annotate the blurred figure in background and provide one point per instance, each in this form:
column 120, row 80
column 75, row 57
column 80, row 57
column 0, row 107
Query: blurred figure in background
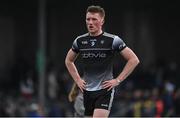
column 27, row 86
column 177, row 102
column 52, row 85
column 76, row 96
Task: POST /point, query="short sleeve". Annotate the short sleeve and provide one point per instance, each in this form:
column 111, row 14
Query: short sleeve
column 75, row 47
column 118, row 44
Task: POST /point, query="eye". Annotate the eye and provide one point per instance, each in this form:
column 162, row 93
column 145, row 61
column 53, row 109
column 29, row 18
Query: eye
column 87, row 19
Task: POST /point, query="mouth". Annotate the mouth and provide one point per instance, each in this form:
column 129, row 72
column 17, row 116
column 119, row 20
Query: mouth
column 90, row 27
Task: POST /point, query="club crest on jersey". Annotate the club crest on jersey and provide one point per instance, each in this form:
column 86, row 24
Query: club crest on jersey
column 102, row 41
column 93, row 42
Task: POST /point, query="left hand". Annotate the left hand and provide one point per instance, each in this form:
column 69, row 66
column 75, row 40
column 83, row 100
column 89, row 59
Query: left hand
column 109, row 84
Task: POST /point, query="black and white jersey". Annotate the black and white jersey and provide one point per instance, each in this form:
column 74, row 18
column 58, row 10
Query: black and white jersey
column 96, row 53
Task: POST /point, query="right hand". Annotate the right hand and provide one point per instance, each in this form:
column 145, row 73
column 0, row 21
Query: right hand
column 81, row 84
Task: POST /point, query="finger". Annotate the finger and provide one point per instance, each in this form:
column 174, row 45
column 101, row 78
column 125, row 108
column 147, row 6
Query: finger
column 83, row 87
column 105, row 82
column 84, row 82
column 106, row 86
column 81, row 90
column 110, row 88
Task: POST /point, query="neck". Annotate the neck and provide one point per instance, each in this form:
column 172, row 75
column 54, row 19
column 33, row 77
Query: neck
column 96, row 33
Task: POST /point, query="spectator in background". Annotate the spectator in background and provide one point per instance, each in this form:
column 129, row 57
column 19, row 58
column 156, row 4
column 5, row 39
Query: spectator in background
column 177, row 102
column 169, row 88
column 52, row 85
column 34, row 110
column 76, row 96
column 27, row 87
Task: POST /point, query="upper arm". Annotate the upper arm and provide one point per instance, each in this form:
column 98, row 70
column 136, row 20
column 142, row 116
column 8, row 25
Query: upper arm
column 73, row 52
column 118, row 44
column 71, row 56
column 128, row 54
column 75, row 46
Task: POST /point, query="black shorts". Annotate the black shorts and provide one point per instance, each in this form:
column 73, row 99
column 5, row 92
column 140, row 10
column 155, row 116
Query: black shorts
column 101, row 99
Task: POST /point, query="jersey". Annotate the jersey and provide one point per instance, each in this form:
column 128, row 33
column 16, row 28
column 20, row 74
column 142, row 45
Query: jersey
column 96, row 54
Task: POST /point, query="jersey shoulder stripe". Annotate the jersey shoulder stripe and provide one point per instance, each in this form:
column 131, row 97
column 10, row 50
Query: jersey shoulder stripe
column 109, row 35
column 83, row 35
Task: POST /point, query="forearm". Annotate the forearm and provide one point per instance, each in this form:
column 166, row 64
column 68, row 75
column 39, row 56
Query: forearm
column 128, row 68
column 73, row 70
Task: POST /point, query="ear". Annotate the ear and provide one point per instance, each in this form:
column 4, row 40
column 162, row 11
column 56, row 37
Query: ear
column 103, row 21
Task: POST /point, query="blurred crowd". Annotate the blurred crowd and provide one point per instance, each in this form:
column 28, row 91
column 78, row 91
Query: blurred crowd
column 153, row 92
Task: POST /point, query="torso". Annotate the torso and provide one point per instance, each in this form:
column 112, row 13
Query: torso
column 96, row 54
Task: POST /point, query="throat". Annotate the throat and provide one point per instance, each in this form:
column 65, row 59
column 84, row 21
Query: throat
column 96, row 33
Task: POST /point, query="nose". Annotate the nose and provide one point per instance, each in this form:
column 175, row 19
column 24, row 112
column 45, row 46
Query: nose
column 90, row 22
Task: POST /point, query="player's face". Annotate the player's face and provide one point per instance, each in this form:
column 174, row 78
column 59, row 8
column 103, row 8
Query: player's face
column 94, row 23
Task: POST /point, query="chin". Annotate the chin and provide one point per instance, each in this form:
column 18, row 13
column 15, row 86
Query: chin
column 92, row 31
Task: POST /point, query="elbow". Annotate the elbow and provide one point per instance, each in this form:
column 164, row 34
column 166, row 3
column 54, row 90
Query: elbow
column 135, row 61
column 66, row 62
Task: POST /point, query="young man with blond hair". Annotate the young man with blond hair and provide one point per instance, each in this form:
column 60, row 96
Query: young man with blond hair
column 96, row 49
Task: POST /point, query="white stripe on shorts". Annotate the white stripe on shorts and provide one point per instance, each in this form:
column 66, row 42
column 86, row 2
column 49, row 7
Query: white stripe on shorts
column 111, row 99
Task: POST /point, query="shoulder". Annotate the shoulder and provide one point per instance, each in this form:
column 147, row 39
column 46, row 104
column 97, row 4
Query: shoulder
column 82, row 36
column 113, row 36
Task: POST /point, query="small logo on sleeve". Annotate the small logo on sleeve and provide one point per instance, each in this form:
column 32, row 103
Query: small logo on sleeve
column 84, row 42
column 104, row 105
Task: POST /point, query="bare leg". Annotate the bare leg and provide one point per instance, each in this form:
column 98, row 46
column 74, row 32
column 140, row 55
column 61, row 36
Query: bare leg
column 101, row 113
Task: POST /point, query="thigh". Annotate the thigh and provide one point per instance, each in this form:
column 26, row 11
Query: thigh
column 101, row 113
column 104, row 100
column 88, row 104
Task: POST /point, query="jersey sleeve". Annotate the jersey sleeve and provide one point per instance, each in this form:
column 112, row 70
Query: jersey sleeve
column 75, row 47
column 118, row 44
